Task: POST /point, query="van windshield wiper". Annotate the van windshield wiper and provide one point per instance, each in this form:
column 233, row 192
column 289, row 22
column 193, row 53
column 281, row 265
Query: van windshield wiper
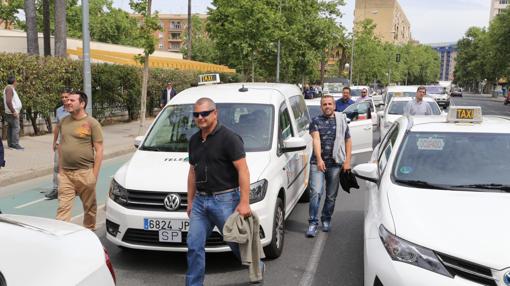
column 500, row 187
column 152, row 148
column 421, row 184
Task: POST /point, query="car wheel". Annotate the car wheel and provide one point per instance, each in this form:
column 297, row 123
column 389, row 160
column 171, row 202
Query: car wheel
column 275, row 248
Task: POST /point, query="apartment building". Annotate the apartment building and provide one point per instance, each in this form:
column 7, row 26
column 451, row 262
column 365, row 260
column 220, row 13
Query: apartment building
column 447, row 53
column 171, row 38
column 391, row 21
column 497, row 6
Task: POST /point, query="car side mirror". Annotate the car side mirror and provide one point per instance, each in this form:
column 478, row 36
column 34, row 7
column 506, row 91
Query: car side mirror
column 366, row 171
column 138, row 141
column 293, row 144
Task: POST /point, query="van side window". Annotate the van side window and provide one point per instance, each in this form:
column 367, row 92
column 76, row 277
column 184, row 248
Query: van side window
column 300, row 111
column 284, row 126
column 387, row 147
column 359, row 111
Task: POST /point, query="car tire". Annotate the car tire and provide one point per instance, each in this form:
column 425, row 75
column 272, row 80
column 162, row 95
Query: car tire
column 275, row 248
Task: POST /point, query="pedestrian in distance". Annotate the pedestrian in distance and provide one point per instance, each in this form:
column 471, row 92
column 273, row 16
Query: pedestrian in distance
column 308, row 92
column 364, row 95
column 342, row 103
column 218, row 185
column 167, row 94
column 417, row 106
column 80, row 158
column 12, row 106
column 60, row 114
column 332, row 147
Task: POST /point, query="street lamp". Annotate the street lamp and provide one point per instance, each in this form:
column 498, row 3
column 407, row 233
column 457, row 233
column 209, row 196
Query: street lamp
column 347, row 66
column 278, row 53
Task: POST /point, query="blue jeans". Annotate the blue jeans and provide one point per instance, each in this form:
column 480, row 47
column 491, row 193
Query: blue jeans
column 207, row 212
column 13, row 129
column 317, row 178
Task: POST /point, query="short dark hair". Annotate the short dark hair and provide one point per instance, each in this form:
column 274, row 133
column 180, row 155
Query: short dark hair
column 83, row 97
column 67, row 90
column 11, row 79
column 346, row 87
column 421, row 87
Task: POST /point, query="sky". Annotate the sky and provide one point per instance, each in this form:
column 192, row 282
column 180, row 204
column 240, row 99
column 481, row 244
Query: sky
column 432, row 21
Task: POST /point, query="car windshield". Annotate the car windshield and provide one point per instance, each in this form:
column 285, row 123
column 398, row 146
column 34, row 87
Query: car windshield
column 314, row 110
column 173, row 129
column 397, row 108
column 454, row 159
column 333, row 87
column 435, row 89
column 356, row 92
column 390, row 95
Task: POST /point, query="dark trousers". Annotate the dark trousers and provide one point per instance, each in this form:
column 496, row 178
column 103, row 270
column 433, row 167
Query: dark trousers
column 12, row 130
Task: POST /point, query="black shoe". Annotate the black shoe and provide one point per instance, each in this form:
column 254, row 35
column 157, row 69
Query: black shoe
column 18, row 147
column 52, row 195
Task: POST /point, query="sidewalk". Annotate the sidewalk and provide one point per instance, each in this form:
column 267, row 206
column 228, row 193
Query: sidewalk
column 484, row 96
column 37, row 158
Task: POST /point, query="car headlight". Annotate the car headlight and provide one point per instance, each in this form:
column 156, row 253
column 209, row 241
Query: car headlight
column 407, row 252
column 258, row 191
column 118, row 193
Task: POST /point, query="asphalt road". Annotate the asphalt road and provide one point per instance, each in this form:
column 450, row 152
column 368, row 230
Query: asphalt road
column 334, row 258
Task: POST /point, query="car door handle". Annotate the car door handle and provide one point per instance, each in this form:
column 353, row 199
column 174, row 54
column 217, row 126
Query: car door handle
column 367, row 128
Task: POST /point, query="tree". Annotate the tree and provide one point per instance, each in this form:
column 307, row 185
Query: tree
column 31, row 29
column 46, row 27
column 148, row 27
column 8, row 12
column 204, row 49
column 60, row 28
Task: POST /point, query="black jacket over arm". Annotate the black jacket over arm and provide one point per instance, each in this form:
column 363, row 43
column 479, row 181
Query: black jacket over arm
column 163, row 100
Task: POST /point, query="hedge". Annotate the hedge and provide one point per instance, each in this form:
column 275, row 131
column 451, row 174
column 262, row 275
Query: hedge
column 41, row 79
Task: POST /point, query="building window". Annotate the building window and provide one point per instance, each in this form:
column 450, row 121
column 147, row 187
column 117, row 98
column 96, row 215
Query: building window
column 160, row 35
column 503, row 1
column 175, row 25
column 160, row 45
column 175, row 36
column 175, row 46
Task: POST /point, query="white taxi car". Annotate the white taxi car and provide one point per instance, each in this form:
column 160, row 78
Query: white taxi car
column 147, row 202
column 40, row 251
column 437, row 204
column 399, row 91
column 440, row 94
column 395, row 109
column 360, row 125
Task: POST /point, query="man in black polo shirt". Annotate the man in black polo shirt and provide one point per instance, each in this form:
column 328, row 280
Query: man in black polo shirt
column 218, row 184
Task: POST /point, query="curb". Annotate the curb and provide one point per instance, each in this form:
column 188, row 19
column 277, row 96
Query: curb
column 47, row 171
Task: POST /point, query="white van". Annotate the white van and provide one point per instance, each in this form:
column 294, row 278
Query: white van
column 146, row 208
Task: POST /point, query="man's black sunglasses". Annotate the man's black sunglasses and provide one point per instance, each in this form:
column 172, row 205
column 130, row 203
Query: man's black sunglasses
column 204, row 114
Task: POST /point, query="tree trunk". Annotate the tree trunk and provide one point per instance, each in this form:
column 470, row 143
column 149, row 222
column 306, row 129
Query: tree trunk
column 189, row 30
column 32, row 116
column 323, row 70
column 145, row 80
column 49, row 124
column 60, row 29
column 31, row 21
column 46, row 27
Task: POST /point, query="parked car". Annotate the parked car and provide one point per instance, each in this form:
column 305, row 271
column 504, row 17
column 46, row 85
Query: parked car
column 41, row 251
column 439, row 94
column 272, row 120
column 457, row 91
column 435, row 214
column 395, row 110
column 399, row 91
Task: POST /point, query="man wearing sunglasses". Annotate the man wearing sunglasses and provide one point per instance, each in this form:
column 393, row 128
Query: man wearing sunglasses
column 218, row 184
column 364, row 95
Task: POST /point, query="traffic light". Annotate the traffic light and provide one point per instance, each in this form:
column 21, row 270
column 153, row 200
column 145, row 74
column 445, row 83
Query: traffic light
column 397, row 59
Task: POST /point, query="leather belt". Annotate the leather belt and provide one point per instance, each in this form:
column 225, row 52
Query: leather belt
column 216, row 193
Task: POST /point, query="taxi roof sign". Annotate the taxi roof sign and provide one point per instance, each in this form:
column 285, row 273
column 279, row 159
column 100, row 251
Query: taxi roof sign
column 209, row 78
column 470, row 114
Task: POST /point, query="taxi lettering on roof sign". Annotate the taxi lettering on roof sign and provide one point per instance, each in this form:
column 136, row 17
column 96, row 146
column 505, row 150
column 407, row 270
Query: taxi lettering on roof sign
column 209, row 79
column 465, row 114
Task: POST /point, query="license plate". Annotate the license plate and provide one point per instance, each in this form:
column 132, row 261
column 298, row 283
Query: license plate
column 166, row 235
column 165, row 224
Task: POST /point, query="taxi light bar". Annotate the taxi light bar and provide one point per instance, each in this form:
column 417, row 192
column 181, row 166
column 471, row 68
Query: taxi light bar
column 209, row 78
column 469, row 114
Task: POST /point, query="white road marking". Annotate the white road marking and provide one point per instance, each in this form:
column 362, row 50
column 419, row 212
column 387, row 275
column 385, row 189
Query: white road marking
column 30, row 203
column 313, row 262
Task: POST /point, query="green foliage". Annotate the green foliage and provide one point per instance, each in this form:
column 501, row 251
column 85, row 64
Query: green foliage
column 147, row 27
column 246, row 34
column 203, row 49
column 9, row 11
column 114, row 87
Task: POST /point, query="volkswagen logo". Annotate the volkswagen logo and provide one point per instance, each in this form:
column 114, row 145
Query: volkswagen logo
column 172, row 202
column 506, row 278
